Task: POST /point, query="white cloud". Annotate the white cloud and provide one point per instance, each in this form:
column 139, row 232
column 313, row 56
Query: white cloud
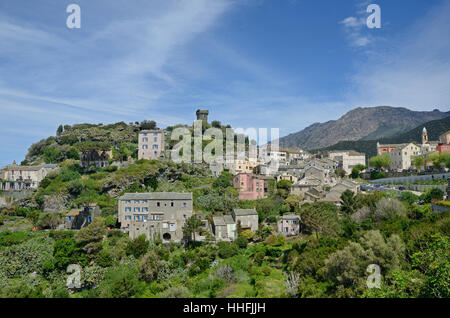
column 414, row 75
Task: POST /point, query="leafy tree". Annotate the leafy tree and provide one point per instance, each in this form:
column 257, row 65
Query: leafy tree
column 284, row 184
column 381, row 161
column 418, row 162
column 216, row 124
column 248, row 234
column 409, row 197
column 68, row 251
column 349, row 202
column 1, row 220
column 356, row 171
column 146, row 124
column 192, row 225
column 227, row 250
column 111, row 221
column 48, row 221
column 149, row 266
column 138, row 246
column 120, row 282
column 51, row 155
column 224, row 180
column 434, row 262
column 320, row 217
column 432, row 194
column 242, row 241
column 388, row 208
column 91, row 237
column 59, row 130
column 293, row 202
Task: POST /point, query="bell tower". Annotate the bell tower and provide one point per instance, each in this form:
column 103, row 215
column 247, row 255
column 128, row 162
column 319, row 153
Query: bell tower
column 424, row 136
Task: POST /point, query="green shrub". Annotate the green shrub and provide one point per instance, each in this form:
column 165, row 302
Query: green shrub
column 242, row 242
column 227, row 250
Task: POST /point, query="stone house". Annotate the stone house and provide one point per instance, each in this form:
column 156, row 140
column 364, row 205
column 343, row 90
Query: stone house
column 16, row 178
column 289, row 225
column 304, row 185
column 445, row 138
column 155, row 214
column 402, row 155
column 151, row 144
column 348, row 159
column 224, row 228
column 99, row 158
column 250, row 186
column 247, row 219
column 285, row 175
column 79, row 218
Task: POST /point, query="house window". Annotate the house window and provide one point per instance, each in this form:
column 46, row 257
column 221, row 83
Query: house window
column 155, row 146
column 184, row 204
column 158, row 203
column 171, row 204
column 89, row 218
column 155, row 139
column 156, row 154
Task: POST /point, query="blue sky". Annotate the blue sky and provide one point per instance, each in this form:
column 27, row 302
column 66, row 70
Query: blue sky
column 252, row 63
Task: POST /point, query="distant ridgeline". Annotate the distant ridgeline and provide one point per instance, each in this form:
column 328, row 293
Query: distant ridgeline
column 435, row 128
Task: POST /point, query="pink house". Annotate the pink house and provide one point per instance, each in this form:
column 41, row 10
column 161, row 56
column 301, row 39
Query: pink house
column 250, row 187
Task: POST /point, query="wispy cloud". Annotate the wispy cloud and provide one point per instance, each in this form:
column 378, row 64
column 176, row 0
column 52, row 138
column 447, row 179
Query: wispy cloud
column 413, row 72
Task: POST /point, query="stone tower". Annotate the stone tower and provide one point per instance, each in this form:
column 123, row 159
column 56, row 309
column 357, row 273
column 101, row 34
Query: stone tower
column 424, row 136
column 202, row 115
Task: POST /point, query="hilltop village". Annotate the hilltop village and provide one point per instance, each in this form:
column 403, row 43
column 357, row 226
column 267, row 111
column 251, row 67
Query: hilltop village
column 93, row 187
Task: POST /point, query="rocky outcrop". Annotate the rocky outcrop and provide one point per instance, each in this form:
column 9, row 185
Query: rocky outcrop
column 55, row 203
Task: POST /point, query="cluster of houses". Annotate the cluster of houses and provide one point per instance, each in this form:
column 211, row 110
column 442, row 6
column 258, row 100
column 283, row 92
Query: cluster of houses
column 402, row 154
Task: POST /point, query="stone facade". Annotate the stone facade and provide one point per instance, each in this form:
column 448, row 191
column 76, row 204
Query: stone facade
column 401, row 156
column 246, row 218
column 17, row 178
column 99, row 158
column 202, row 114
column 80, row 218
column 348, row 159
column 289, row 225
column 155, row 214
column 151, row 144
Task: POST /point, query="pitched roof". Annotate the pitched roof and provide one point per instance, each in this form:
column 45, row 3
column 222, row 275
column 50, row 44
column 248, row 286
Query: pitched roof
column 157, row 196
column 290, row 217
column 74, row 212
column 30, row 168
column 228, row 219
column 241, row 212
column 218, row 221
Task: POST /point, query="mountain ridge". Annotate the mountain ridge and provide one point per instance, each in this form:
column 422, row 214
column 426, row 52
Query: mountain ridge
column 361, row 123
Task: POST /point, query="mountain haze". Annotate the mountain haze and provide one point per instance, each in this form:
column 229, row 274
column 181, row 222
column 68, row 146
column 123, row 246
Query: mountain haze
column 369, row 123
